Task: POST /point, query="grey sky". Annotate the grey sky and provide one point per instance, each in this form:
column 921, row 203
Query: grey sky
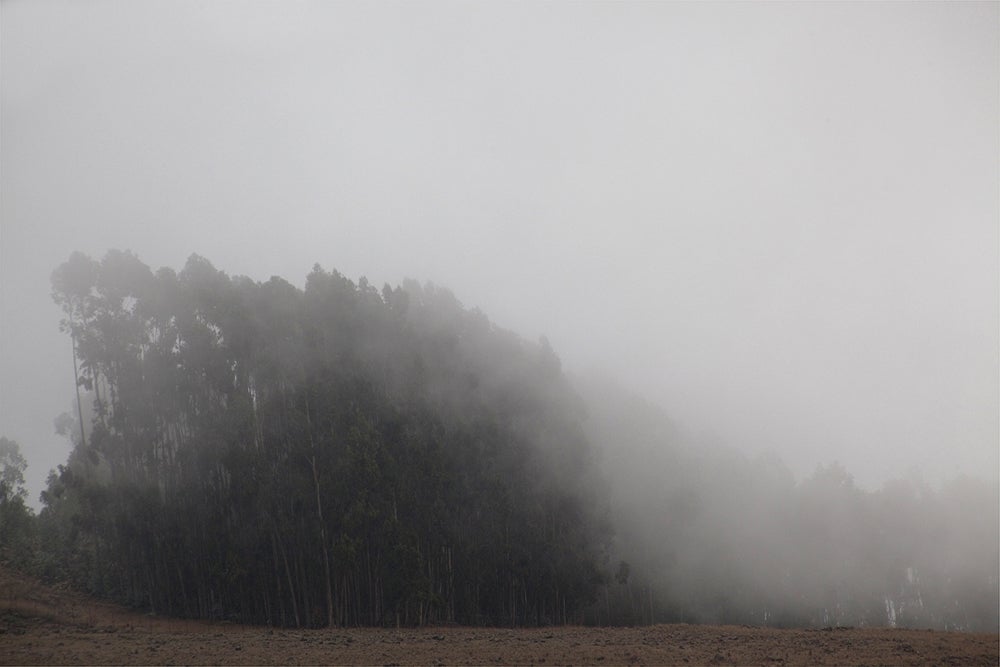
column 778, row 221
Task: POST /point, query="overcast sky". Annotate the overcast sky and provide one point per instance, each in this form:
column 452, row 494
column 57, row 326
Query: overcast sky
column 780, row 222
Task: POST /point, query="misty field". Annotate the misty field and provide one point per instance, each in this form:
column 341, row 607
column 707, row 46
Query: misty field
column 43, row 625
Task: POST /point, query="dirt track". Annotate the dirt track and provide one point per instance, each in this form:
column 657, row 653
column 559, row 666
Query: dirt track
column 41, row 625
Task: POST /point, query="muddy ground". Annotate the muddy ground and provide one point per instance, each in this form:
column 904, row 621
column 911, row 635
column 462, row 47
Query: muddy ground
column 45, row 625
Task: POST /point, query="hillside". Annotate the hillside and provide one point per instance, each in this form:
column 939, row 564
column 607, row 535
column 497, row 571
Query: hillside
column 43, row 625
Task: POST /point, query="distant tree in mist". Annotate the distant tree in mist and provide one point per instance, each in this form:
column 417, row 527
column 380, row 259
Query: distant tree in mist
column 12, row 467
column 716, row 537
column 16, row 519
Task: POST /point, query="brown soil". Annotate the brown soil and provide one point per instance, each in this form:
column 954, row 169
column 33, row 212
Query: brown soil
column 46, row 625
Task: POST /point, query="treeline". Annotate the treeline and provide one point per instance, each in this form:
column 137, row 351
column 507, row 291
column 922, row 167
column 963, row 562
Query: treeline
column 341, row 455
column 709, row 535
column 328, row 456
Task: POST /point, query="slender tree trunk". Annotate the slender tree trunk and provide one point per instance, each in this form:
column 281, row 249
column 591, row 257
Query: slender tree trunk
column 76, row 378
column 326, row 548
column 291, row 584
column 322, row 524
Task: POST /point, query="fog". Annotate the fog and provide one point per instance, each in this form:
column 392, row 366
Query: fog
column 777, row 222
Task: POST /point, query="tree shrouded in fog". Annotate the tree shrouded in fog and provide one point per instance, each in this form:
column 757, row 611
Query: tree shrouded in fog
column 713, row 536
column 16, row 525
column 339, row 454
column 332, row 455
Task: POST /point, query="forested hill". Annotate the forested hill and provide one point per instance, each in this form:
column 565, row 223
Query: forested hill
column 329, row 455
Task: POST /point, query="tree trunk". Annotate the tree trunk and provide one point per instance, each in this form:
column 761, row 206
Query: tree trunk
column 326, row 548
column 76, row 378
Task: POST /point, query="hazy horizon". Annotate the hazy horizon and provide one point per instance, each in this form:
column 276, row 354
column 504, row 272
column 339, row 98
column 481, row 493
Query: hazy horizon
column 778, row 222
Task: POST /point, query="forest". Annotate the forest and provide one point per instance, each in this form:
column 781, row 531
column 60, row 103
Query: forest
column 340, row 455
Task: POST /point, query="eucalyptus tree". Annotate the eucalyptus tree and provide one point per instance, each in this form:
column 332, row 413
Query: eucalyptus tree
column 328, row 455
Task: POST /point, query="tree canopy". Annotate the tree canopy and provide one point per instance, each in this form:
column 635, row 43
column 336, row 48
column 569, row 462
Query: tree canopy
column 341, row 455
column 318, row 456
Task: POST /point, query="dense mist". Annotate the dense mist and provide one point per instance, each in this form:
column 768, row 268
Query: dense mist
column 342, row 455
column 713, row 536
column 778, row 221
column 337, row 455
column 673, row 311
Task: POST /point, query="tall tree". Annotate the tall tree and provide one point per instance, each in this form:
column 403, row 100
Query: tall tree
column 16, row 519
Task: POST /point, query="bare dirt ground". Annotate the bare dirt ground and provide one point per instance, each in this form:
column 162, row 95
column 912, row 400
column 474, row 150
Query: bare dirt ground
column 45, row 625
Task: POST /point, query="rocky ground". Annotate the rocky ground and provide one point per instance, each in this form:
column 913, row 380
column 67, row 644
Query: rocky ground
column 45, row 625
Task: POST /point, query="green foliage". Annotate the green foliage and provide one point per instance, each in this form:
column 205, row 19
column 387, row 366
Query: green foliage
column 12, row 467
column 332, row 455
column 16, row 519
column 342, row 455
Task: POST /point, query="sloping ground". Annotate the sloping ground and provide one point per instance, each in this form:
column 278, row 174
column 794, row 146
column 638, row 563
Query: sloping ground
column 45, row 625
